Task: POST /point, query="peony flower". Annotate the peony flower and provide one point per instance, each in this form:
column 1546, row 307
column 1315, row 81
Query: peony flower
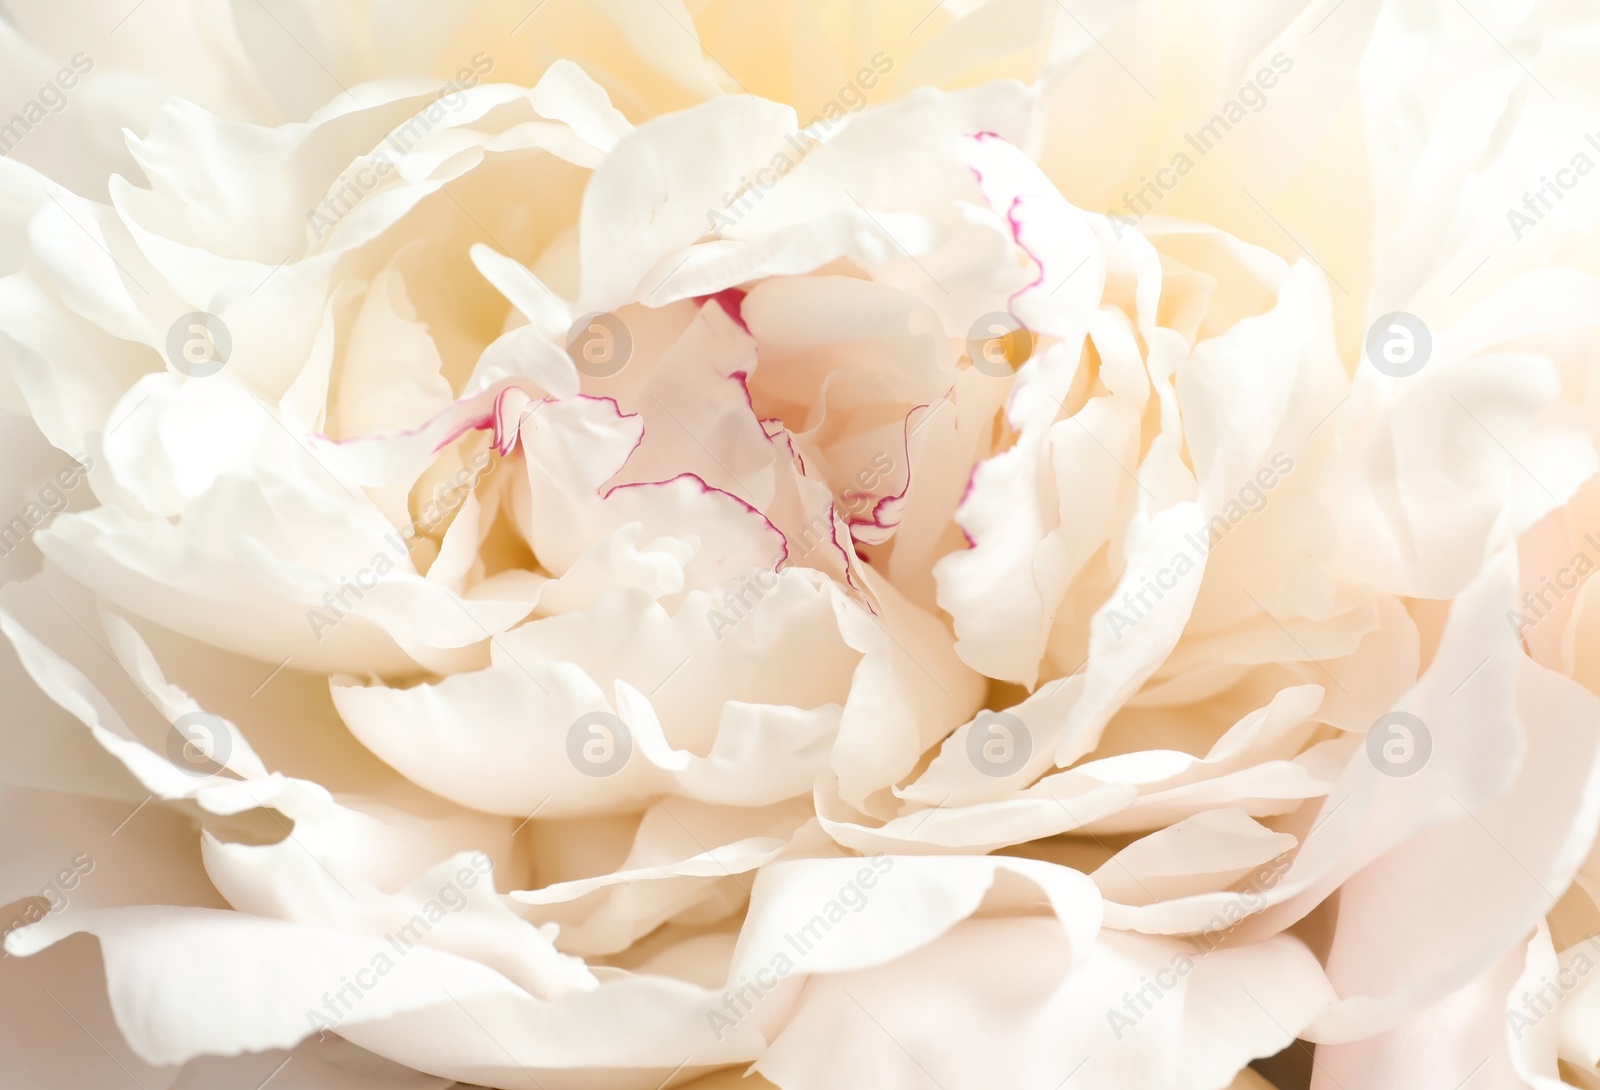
column 646, row 544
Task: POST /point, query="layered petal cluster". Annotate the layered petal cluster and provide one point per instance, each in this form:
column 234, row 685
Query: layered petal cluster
column 707, row 542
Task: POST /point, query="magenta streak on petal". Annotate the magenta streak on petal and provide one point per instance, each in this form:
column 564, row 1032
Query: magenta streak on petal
column 732, row 302
column 475, row 423
column 833, row 537
column 1016, row 235
column 620, row 416
column 788, row 439
column 1011, row 220
column 696, row 478
column 875, row 520
column 615, row 408
column 710, row 490
column 743, row 379
column 796, row 456
column 739, row 377
column 489, row 421
column 637, row 442
column 405, row 433
column 504, row 438
column 483, row 421
column 980, row 137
